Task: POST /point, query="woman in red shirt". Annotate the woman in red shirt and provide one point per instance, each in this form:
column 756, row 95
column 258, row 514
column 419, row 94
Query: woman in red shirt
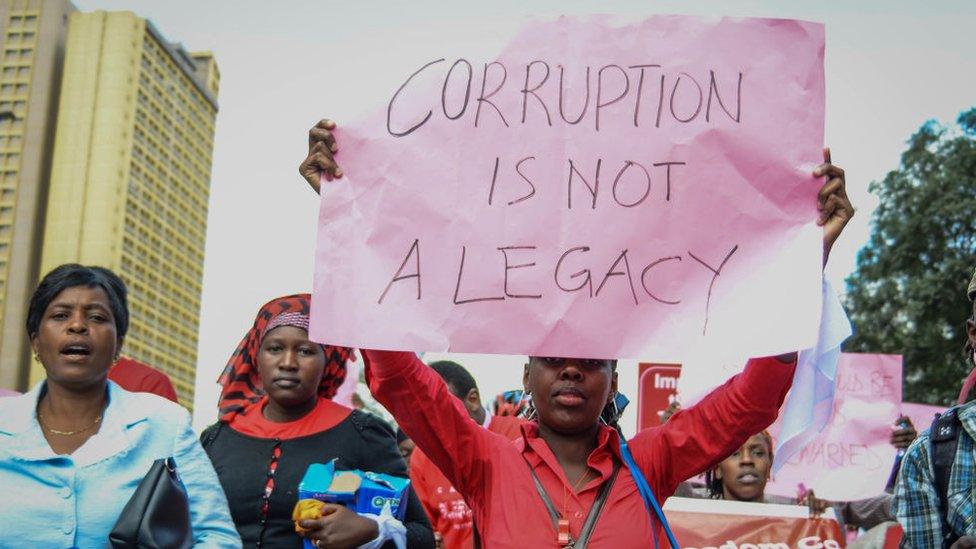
column 563, row 484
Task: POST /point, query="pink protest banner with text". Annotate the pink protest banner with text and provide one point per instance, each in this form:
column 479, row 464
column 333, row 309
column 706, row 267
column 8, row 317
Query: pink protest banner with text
column 852, row 457
column 598, row 189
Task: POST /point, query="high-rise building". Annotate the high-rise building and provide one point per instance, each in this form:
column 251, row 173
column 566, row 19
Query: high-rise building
column 130, row 178
column 32, row 39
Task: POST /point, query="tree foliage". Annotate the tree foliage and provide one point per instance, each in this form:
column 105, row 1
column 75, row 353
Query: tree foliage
column 907, row 294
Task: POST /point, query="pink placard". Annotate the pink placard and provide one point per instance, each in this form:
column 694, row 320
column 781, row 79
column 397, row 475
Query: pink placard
column 852, row 457
column 599, row 189
column 921, row 414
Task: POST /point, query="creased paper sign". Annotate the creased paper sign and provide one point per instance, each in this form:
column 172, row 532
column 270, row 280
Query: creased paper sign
column 852, row 457
column 599, row 189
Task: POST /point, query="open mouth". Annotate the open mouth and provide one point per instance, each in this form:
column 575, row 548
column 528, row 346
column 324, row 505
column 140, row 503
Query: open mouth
column 76, row 350
column 748, row 478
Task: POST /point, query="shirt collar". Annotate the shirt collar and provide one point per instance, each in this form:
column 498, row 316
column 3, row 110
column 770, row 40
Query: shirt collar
column 967, row 416
column 18, row 418
column 602, row 458
column 19, row 412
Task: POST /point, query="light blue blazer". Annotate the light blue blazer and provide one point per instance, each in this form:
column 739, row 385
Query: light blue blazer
column 52, row 501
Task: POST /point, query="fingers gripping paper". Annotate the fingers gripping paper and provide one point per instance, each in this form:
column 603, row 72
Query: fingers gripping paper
column 599, row 189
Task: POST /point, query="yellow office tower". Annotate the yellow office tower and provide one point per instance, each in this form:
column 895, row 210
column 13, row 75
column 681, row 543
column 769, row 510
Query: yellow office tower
column 130, row 179
column 32, row 36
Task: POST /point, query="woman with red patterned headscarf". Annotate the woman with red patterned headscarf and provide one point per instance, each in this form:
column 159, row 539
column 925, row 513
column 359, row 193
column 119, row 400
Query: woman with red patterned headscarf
column 276, row 418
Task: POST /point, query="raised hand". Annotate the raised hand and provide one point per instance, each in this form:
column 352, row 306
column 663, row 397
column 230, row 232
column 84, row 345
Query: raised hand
column 320, row 162
column 835, row 207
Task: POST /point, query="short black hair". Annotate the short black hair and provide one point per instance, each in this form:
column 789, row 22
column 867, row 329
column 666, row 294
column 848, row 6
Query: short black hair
column 71, row 275
column 456, row 376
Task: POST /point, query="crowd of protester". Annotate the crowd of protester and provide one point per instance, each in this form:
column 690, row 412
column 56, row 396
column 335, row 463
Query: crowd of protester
column 547, row 467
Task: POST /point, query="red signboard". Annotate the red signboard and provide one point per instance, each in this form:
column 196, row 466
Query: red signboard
column 719, row 524
column 657, row 389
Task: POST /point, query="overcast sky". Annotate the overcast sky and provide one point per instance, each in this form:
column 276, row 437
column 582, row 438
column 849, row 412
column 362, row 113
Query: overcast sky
column 890, row 65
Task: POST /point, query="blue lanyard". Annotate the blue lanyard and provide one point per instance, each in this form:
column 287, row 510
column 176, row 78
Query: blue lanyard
column 650, row 502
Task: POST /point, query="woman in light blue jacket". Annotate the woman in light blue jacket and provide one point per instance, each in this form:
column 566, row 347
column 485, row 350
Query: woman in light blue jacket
column 74, row 449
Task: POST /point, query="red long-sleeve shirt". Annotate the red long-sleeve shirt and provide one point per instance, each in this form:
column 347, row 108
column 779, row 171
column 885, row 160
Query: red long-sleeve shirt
column 490, row 471
column 449, row 513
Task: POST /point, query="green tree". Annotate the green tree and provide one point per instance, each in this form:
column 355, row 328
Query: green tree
column 907, row 294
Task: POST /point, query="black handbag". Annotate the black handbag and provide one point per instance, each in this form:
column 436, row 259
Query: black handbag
column 157, row 515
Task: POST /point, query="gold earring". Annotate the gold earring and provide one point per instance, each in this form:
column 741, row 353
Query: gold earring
column 36, row 358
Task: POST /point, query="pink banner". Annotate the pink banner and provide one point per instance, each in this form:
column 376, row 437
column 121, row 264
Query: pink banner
column 852, row 458
column 921, row 414
column 599, row 189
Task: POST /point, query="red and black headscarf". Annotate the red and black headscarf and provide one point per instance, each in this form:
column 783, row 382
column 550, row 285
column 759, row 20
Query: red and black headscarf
column 240, row 379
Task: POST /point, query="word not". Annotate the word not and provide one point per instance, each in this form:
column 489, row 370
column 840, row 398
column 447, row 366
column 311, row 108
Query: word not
column 631, row 182
column 680, row 97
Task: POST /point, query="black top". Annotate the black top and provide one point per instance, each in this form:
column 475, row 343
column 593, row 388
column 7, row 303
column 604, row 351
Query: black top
column 361, row 441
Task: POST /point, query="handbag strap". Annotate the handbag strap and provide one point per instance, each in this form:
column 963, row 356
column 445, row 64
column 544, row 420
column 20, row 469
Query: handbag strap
column 595, row 510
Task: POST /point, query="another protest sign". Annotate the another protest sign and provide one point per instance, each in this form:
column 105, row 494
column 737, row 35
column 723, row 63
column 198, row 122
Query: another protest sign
column 720, row 524
column 921, row 414
column 599, row 189
column 852, row 457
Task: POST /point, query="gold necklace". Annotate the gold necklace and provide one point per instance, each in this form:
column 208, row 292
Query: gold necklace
column 40, row 419
column 579, row 481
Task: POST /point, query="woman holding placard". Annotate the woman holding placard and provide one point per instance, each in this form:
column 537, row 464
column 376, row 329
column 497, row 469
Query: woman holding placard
column 570, row 479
